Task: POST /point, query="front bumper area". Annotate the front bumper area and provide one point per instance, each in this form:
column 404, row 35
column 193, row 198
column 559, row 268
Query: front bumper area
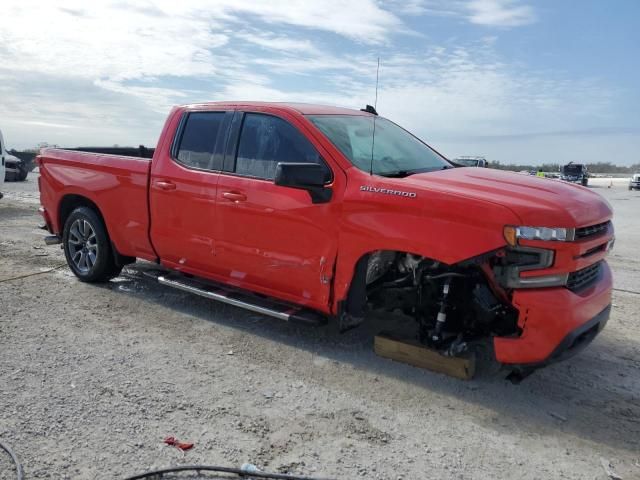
column 556, row 323
column 12, row 167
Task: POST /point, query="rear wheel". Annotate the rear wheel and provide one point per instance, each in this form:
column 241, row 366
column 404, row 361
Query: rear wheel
column 87, row 247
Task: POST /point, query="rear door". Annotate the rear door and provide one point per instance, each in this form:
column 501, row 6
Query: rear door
column 273, row 239
column 182, row 193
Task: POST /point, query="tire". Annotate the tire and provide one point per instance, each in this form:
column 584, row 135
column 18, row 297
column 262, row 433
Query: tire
column 87, row 247
column 22, row 174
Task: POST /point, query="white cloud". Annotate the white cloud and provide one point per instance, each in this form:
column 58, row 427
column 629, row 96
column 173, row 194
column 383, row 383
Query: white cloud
column 113, row 44
column 492, row 13
column 361, row 20
column 278, row 42
column 104, row 73
column 500, row 13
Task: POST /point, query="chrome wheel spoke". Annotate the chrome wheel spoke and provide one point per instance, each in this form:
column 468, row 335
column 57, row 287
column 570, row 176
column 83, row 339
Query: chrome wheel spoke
column 74, row 233
column 86, row 229
column 82, row 245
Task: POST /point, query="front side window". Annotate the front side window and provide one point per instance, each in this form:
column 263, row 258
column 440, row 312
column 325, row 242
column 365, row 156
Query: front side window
column 198, row 140
column 392, row 152
column 266, row 140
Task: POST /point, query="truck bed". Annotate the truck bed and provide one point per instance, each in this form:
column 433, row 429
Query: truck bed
column 114, row 183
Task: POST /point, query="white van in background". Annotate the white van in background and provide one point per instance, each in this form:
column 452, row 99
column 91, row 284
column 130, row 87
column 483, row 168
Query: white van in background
column 3, row 154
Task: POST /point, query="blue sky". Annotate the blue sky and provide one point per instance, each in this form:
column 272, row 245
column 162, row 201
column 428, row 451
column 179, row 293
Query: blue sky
column 514, row 80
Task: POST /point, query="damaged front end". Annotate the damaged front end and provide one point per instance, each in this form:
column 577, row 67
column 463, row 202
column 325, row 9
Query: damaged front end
column 456, row 307
column 524, row 304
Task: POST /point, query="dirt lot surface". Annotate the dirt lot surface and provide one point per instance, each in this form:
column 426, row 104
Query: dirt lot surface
column 92, row 378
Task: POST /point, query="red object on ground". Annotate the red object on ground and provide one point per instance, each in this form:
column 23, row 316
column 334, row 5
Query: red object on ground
column 176, row 443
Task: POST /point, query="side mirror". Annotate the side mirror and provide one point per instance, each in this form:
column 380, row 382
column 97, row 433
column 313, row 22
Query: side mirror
column 304, row 176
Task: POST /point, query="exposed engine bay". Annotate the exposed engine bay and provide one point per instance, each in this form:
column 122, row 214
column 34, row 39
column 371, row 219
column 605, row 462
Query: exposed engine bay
column 454, row 306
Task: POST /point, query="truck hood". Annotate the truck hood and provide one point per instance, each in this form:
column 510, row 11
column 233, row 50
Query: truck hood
column 536, row 201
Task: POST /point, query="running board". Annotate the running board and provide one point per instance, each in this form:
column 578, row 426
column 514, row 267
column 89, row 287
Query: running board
column 253, row 303
column 52, row 239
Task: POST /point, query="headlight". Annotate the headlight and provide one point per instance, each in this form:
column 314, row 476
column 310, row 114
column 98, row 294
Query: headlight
column 513, row 234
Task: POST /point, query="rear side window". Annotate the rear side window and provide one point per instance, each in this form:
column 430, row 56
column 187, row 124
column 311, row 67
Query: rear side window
column 266, row 140
column 198, row 141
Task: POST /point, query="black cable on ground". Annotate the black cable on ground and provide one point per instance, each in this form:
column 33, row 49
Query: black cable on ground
column 33, row 274
column 19, row 471
column 626, row 291
column 213, row 468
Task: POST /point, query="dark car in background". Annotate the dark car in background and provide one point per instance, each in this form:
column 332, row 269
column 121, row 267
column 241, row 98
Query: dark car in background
column 575, row 173
column 18, row 165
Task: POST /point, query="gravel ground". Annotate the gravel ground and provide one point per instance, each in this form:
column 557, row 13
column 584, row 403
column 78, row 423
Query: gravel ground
column 92, row 378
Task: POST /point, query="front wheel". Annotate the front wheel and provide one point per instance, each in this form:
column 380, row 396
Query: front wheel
column 87, row 247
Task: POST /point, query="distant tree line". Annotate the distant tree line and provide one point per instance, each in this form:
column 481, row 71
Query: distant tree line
column 599, row 167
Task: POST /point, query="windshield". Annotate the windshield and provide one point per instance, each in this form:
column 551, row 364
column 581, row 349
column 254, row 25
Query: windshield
column 395, row 151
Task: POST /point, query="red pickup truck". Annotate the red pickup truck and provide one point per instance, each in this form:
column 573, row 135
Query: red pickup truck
column 312, row 213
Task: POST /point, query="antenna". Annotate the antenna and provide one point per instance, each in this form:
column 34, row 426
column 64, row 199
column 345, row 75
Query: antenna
column 375, row 113
column 375, row 103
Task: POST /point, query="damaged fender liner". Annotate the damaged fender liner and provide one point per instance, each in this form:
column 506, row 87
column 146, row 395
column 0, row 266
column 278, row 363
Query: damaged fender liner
column 571, row 345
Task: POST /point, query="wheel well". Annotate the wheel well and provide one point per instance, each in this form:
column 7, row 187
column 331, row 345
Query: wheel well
column 369, row 267
column 452, row 303
column 70, row 202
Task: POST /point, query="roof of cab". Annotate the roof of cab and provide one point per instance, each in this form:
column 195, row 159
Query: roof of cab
column 303, row 108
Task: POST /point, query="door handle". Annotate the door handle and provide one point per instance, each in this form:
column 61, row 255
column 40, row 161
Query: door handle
column 234, row 196
column 165, row 185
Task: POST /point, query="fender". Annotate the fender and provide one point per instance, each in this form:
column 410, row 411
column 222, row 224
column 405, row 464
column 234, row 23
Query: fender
column 388, row 216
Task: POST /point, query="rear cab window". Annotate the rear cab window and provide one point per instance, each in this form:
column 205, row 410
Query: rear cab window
column 200, row 141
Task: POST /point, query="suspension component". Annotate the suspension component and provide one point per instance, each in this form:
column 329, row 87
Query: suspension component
column 441, row 319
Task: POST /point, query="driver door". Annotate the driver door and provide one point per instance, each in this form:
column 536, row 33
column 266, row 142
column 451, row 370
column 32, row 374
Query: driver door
column 271, row 238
